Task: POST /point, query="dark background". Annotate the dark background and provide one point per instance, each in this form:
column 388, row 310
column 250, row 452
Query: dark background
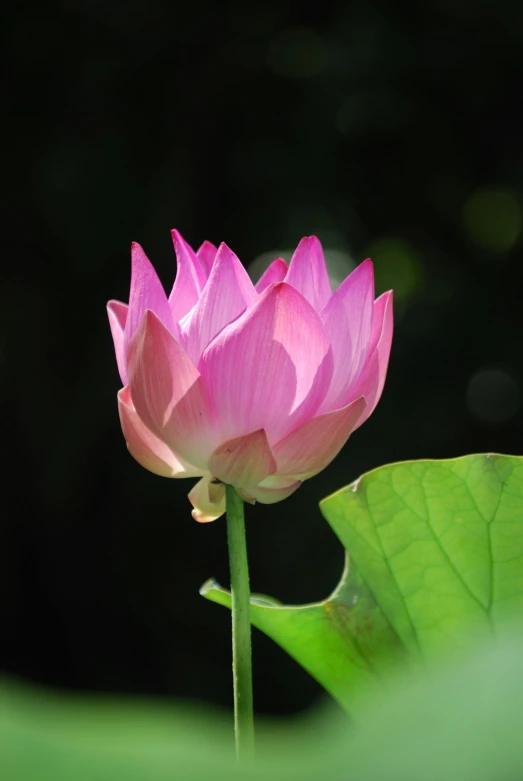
column 388, row 130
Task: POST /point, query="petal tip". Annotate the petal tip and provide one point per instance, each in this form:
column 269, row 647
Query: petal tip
column 206, row 244
column 177, row 237
column 116, row 308
column 224, row 251
column 201, row 517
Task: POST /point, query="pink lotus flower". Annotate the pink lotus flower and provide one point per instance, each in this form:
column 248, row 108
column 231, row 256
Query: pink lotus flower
column 255, row 386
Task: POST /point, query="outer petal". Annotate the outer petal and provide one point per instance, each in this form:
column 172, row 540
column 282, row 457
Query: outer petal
column 276, row 272
column 243, row 461
column 117, row 313
column 206, row 254
column 269, row 369
column 372, row 379
column 226, row 294
column 208, row 500
column 169, row 394
column 311, row 447
column 347, row 318
column 190, row 278
column 273, row 489
column 146, row 293
column 148, row 450
column 308, row 272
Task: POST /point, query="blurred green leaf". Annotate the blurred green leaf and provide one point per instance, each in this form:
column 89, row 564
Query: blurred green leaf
column 45, row 736
column 436, row 551
column 460, row 722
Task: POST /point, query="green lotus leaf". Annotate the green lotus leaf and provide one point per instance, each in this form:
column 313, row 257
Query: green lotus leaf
column 434, row 563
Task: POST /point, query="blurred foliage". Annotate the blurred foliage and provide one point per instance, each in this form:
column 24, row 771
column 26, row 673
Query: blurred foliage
column 460, row 723
column 493, row 219
column 377, row 126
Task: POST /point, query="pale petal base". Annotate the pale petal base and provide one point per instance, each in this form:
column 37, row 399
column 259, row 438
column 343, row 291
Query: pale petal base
column 208, row 500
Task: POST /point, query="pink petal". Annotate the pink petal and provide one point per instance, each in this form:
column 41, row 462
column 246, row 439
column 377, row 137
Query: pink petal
column 169, row 394
column 206, row 254
column 347, row 318
column 275, row 273
column 243, row 461
column 269, row 369
column 190, row 278
column 308, row 273
column 372, row 378
column 311, row 447
column 382, row 320
column 148, row 450
column 146, row 293
column 117, row 313
column 226, row 294
column 208, row 500
column 271, row 490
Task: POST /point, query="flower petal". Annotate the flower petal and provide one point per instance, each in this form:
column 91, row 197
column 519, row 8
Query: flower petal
column 275, row 273
column 243, row 461
column 117, row 313
column 206, row 254
column 148, row 450
column 226, row 294
column 269, row 369
column 347, row 318
column 271, row 490
column 169, row 394
column 311, row 447
column 208, row 500
column 308, row 272
column 372, row 378
column 146, row 293
column 190, row 278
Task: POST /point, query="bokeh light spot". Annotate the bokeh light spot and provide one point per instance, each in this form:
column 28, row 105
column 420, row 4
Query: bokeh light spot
column 493, row 395
column 398, row 266
column 298, row 53
column 493, row 219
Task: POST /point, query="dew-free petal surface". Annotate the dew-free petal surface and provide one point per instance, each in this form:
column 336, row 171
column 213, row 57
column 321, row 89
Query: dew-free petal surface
column 243, row 461
column 372, row 378
column 206, row 254
column 146, row 293
column 269, row 369
column 226, row 294
column 308, row 272
column 190, row 278
column 145, row 447
column 276, row 272
column 271, row 490
column 117, row 313
column 169, row 394
column 347, row 318
column 312, row 446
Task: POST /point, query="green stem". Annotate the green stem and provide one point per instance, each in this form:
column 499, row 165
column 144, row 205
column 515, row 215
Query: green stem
column 241, row 626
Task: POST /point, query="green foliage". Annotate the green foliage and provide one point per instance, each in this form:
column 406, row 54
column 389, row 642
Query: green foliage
column 461, row 722
column 436, row 566
column 436, row 562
